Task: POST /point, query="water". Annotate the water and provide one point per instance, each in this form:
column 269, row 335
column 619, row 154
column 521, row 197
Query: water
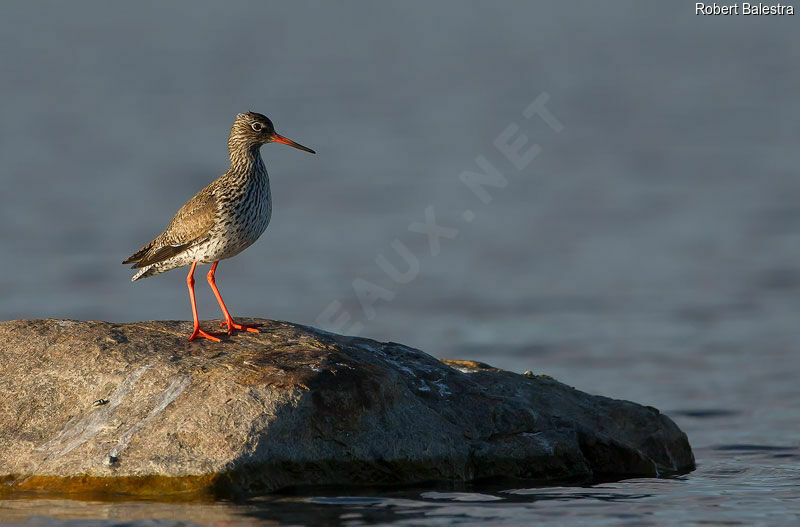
column 649, row 252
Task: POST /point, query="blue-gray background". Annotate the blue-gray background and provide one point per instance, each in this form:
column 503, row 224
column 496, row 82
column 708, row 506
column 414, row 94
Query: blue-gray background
column 651, row 251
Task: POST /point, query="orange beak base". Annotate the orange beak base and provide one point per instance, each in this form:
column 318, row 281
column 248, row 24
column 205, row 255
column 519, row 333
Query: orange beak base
column 277, row 138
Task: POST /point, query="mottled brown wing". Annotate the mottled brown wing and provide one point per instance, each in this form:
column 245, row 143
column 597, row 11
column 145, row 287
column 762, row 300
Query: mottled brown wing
column 190, row 225
column 138, row 255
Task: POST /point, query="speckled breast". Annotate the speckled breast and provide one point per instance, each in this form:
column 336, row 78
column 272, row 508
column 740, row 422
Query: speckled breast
column 243, row 218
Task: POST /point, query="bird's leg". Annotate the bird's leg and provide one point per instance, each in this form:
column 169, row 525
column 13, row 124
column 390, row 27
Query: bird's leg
column 197, row 331
column 228, row 318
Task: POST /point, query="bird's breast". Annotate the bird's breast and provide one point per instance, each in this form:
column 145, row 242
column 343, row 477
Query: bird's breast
column 245, row 211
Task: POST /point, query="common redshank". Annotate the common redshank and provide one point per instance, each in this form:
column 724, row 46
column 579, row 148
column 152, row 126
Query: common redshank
column 221, row 220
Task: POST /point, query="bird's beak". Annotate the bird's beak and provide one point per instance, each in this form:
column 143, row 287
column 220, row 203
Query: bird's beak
column 285, row 140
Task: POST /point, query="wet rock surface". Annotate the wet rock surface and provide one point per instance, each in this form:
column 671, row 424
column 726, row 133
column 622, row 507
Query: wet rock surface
column 137, row 409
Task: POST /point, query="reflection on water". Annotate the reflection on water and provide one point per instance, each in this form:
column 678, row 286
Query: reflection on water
column 651, row 252
column 685, row 500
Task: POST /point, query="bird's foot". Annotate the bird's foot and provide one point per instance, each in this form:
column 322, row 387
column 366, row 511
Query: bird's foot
column 239, row 327
column 200, row 333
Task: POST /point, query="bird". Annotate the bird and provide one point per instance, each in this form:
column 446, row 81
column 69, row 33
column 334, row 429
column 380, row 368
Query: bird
column 221, row 220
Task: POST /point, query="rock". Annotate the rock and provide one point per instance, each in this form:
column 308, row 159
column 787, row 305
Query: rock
column 136, row 408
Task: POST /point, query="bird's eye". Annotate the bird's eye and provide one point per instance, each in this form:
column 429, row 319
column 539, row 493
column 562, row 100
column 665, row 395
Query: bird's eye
column 257, row 126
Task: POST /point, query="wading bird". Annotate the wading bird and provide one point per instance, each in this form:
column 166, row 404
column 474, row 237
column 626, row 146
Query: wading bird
column 221, row 220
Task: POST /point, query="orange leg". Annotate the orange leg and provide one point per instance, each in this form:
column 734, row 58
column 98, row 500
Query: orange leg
column 197, row 331
column 228, row 318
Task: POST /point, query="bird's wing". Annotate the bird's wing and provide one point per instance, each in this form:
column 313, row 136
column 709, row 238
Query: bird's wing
column 138, row 255
column 190, row 226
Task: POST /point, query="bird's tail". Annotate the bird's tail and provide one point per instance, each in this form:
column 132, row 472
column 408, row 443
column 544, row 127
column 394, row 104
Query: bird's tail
column 146, row 272
column 138, row 255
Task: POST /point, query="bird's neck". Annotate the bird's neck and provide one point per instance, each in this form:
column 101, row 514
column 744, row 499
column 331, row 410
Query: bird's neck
column 246, row 160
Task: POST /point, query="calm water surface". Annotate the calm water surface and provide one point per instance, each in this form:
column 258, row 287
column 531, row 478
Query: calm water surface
column 650, row 252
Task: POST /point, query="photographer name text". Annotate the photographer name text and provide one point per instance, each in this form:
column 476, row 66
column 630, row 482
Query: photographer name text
column 746, row 9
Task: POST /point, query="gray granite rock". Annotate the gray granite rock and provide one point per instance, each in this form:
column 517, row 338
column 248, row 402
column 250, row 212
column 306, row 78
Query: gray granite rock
column 135, row 408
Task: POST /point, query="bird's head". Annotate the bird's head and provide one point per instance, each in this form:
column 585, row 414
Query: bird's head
column 254, row 129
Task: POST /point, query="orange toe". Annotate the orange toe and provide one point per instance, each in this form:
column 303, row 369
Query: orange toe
column 200, row 333
column 251, row 328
